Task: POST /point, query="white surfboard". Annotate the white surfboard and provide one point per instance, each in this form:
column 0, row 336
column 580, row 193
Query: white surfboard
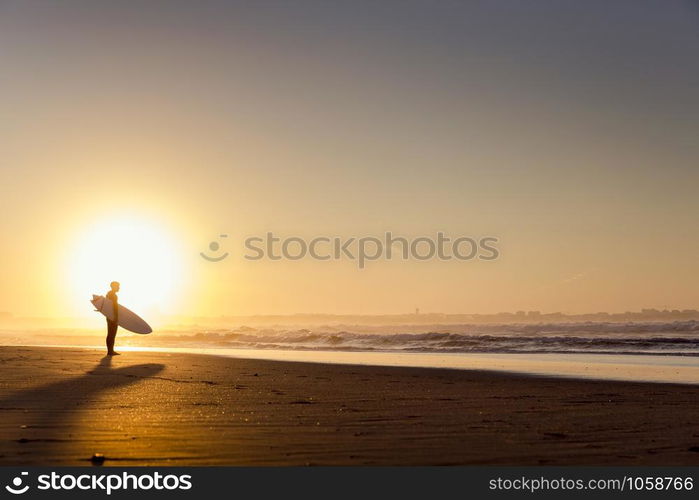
column 127, row 318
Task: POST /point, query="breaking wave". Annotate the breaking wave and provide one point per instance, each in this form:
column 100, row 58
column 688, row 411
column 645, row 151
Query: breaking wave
column 676, row 338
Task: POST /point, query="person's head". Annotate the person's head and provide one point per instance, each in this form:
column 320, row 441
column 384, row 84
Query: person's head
column 115, row 286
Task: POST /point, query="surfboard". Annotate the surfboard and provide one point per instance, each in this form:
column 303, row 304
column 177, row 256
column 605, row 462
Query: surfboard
column 127, row 318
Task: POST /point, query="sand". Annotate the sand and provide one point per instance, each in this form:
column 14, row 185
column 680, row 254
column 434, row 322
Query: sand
column 59, row 406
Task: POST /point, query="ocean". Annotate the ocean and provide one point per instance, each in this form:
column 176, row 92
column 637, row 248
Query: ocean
column 680, row 338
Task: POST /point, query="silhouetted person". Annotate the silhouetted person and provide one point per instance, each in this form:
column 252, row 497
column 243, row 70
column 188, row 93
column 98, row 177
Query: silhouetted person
column 112, row 325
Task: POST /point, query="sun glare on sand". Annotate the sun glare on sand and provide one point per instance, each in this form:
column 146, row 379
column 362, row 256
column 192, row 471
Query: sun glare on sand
column 138, row 254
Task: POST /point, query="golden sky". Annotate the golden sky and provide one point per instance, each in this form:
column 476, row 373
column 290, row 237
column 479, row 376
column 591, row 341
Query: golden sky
column 133, row 135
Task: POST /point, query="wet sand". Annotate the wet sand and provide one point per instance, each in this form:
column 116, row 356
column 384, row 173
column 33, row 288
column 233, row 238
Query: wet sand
column 61, row 406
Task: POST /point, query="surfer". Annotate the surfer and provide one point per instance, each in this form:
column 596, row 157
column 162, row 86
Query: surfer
column 112, row 325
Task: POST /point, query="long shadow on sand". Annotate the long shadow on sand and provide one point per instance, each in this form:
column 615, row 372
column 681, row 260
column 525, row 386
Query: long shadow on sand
column 41, row 424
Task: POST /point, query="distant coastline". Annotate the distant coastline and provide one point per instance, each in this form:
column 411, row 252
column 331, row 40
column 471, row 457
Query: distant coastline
column 429, row 318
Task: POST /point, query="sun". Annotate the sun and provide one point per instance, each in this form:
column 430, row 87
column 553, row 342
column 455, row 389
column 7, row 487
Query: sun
column 139, row 254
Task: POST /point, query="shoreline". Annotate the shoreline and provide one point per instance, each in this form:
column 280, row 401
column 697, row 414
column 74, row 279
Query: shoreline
column 617, row 368
column 59, row 406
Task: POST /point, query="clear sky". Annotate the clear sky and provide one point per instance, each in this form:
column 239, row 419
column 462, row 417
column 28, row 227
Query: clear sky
column 567, row 129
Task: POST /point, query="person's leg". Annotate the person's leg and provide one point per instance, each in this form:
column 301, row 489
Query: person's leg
column 111, row 335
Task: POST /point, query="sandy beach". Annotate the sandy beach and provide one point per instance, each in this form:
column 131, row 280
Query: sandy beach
column 59, row 406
